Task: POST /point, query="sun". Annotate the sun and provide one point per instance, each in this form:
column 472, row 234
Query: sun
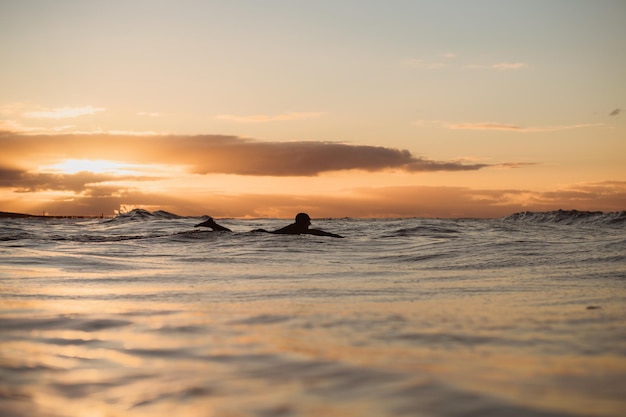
column 73, row 166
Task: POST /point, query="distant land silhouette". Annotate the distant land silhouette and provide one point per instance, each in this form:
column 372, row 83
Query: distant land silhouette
column 9, row 215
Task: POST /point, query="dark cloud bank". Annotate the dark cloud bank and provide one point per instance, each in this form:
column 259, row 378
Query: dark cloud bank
column 28, row 182
column 213, row 154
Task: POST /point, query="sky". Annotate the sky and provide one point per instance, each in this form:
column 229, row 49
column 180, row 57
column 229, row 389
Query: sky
column 337, row 108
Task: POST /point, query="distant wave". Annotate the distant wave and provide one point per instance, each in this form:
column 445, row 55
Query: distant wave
column 569, row 217
column 424, row 230
column 139, row 214
column 102, row 237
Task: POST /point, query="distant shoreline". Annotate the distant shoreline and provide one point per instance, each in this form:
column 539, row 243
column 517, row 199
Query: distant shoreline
column 9, row 215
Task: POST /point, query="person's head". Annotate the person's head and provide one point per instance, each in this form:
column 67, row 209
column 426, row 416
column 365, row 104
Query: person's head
column 303, row 219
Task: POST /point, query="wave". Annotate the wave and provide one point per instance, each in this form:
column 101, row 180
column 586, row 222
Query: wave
column 425, row 230
column 569, row 217
column 102, row 238
column 8, row 235
column 139, row 214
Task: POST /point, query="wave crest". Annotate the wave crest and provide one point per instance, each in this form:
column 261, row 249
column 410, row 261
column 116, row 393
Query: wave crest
column 139, row 214
column 569, row 217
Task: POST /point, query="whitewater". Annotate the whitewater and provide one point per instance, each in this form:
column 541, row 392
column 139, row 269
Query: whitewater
column 145, row 315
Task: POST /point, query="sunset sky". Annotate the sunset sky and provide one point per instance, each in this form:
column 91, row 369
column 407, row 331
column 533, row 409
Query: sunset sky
column 337, row 108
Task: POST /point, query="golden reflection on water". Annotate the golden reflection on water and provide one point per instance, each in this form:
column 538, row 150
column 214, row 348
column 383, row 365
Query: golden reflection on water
column 157, row 327
column 301, row 356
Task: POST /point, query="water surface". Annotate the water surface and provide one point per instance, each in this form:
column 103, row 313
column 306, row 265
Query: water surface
column 145, row 315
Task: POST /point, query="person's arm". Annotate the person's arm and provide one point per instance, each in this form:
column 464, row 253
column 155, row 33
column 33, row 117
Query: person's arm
column 317, row 232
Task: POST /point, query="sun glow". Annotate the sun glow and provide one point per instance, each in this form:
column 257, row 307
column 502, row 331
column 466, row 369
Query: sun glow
column 73, row 166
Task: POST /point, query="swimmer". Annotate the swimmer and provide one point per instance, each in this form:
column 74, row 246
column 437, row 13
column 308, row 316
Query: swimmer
column 300, row 227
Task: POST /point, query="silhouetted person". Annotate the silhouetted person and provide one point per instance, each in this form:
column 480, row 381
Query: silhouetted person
column 211, row 223
column 300, row 227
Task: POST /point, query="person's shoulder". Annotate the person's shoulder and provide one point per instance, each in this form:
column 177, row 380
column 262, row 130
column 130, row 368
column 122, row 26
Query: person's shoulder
column 288, row 230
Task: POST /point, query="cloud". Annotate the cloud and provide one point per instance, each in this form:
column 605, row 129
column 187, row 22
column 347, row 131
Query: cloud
column 12, row 109
column 615, row 112
column 514, row 164
column 15, row 126
column 391, row 201
column 23, row 181
column 19, row 117
column 23, row 156
column 262, row 118
column 427, row 201
column 237, row 156
column 500, row 66
column 450, row 60
column 63, row 112
column 594, row 196
column 486, row 126
column 517, row 128
column 214, row 154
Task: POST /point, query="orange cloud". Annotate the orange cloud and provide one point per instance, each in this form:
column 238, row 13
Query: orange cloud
column 516, row 128
column 514, row 164
column 262, row 118
column 63, row 112
column 449, row 60
column 15, row 126
column 501, row 66
column 24, row 183
column 213, row 154
column 29, row 182
column 393, row 201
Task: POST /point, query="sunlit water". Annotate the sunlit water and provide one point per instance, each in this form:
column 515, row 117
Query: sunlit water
column 144, row 315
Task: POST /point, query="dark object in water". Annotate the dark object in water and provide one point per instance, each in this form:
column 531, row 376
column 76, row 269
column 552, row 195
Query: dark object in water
column 211, row 223
column 300, row 227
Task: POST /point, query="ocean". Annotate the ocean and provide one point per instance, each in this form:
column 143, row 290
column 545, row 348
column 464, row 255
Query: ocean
column 145, row 315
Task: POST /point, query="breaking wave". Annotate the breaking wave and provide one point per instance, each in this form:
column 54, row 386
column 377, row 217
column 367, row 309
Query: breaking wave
column 569, row 217
column 139, row 214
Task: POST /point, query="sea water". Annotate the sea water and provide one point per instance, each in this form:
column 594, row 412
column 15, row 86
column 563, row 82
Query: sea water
column 145, row 315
